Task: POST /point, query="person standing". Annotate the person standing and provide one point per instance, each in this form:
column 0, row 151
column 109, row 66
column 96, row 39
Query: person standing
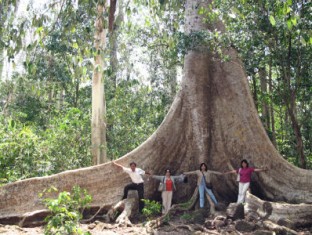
column 204, row 183
column 244, row 176
column 137, row 184
column 168, row 182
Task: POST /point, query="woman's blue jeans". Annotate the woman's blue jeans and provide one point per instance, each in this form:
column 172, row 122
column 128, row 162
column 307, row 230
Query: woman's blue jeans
column 202, row 189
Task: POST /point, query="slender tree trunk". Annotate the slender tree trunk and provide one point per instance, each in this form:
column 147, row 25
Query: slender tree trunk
column 212, row 119
column 255, row 90
column 1, row 61
column 113, row 38
column 8, row 101
column 296, row 128
column 290, row 100
column 77, row 84
column 113, row 57
column 113, row 54
column 264, row 91
column 98, row 135
column 61, row 98
column 272, row 105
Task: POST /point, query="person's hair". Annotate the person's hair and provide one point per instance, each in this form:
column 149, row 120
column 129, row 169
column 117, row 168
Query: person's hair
column 204, row 165
column 132, row 163
column 244, row 160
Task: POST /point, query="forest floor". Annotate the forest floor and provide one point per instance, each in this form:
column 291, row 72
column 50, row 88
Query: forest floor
column 181, row 223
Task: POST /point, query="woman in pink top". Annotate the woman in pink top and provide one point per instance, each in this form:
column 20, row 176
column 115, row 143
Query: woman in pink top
column 244, row 175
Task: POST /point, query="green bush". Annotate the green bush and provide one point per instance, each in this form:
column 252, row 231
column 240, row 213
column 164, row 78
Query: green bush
column 66, row 211
column 151, row 208
column 27, row 150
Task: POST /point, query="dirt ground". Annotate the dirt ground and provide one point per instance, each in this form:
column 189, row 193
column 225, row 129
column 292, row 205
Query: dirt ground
column 181, row 223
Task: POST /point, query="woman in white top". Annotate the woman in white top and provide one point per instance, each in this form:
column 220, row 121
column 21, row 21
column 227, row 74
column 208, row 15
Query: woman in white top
column 168, row 188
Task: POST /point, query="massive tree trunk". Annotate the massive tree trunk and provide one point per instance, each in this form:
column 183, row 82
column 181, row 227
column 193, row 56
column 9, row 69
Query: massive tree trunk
column 98, row 135
column 212, row 119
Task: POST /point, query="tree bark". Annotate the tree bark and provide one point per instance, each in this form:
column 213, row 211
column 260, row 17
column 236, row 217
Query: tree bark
column 98, row 135
column 1, row 60
column 212, row 119
column 173, row 84
column 113, row 35
column 255, row 91
column 290, row 94
column 272, row 105
column 264, row 104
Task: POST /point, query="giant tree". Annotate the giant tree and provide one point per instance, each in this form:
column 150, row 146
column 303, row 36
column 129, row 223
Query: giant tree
column 212, row 119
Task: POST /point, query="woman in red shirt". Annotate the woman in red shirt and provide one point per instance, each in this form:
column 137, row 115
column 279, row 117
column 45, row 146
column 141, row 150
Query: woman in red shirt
column 168, row 188
column 244, row 177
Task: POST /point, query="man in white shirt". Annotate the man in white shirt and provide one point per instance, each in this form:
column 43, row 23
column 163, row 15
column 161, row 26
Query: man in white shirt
column 137, row 182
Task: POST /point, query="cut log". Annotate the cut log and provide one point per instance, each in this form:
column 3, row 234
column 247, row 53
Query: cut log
column 299, row 214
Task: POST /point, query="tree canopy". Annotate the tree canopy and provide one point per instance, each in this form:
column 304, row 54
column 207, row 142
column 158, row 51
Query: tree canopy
column 46, row 107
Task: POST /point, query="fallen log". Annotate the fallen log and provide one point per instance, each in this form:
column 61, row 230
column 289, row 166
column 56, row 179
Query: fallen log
column 299, row 214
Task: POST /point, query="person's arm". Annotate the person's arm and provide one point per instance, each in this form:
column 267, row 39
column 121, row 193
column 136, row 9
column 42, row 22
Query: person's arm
column 158, row 177
column 230, row 172
column 189, row 173
column 261, row 169
column 178, row 178
column 143, row 172
column 118, row 165
column 215, row 172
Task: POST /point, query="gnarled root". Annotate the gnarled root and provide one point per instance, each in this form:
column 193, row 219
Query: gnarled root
column 123, row 218
column 177, row 207
column 118, row 213
column 278, row 229
column 180, row 207
column 212, row 205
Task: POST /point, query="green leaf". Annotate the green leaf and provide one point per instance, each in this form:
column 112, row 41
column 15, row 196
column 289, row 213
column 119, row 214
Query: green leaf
column 147, row 23
column 272, row 20
column 75, row 45
column 294, row 21
column 201, row 11
column 289, row 24
column 39, row 29
column 286, row 9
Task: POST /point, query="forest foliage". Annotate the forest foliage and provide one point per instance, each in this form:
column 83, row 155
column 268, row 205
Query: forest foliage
column 45, row 101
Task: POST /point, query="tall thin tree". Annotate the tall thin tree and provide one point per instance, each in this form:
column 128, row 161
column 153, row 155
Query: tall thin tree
column 98, row 132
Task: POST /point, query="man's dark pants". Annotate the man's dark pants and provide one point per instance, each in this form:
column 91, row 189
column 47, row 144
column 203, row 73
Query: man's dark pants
column 140, row 189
